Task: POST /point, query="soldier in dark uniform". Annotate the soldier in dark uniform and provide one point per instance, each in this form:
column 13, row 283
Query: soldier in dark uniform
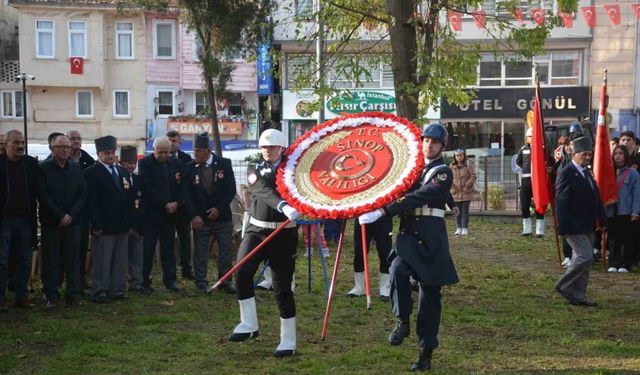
column 422, row 248
column 129, row 161
column 526, row 193
column 208, row 189
column 183, row 226
column 268, row 211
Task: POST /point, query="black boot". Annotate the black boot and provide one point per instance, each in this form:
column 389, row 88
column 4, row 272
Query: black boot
column 400, row 331
column 424, row 361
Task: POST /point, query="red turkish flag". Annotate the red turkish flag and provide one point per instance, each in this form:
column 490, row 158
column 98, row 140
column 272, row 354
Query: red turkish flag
column 603, row 171
column 539, row 175
column 76, row 65
column 538, row 15
column 480, row 18
column 567, row 19
column 455, row 19
column 519, row 15
column 614, row 13
column 589, row 14
column 636, row 9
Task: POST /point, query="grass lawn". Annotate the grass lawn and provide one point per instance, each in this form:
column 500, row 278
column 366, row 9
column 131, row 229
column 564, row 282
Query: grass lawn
column 502, row 317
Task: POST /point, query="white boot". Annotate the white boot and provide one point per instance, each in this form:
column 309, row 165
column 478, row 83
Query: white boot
column 268, row 280
column 357, row 290
column 458, row 231
column 526, row 226
column 464, row 231
column 385, row 286
column 287, row 346
column 248, row 327
column 539, row 227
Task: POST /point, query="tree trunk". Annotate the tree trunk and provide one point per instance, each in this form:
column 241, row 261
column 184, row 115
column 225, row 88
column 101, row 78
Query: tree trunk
column 403, row 55
column 213, row 113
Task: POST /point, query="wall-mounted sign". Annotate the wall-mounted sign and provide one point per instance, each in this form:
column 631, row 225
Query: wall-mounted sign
column 358, row 101
column 195, row 127
column 514, row 103
column 264, row 64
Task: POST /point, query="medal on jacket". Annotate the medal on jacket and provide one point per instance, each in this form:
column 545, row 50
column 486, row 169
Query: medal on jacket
column 125, row 183
column 137, row 203
column 220, row 174
column 178, row 177
column 196, row 180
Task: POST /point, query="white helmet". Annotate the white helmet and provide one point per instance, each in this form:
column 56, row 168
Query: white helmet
column 529, row 132
column 271, row 137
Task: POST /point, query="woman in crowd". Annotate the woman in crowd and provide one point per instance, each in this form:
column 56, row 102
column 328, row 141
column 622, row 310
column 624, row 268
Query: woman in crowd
column 624, row 212
column 462, row 189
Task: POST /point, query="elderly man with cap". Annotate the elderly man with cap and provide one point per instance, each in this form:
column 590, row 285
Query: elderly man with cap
column 110, row 214
column 18, row 206
column 268, row 211
column 523, row 160
column 209, row 187
column 129, row 161
column 62, row 193
column 161, row 178
column 580, row 212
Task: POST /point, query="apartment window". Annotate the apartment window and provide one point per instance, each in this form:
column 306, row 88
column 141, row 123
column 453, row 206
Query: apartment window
column 235, row 104
column 202, row 107
column 78, row 39
column 554, row 68
column 45, row 45
column 164, row 40
column 121, row 103
column 197, row 47
column 490, row 71
column 387, row 76
column 124, row 40
column 165, row 103
column 565, row 68
column 11, row 104
column 517, row 73
column 84, row 104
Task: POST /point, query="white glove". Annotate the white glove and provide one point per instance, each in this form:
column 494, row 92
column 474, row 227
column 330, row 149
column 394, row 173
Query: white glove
column 370, row 217
column 290, row 212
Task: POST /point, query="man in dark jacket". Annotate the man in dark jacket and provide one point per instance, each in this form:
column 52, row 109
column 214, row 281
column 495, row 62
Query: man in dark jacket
column 62, row 193
column 209, row 187
column 422, row 248
column 183, row 225
column 161, row 177
column 109, row 214
column 18, row 207
column 580, row 212
column 129, row 161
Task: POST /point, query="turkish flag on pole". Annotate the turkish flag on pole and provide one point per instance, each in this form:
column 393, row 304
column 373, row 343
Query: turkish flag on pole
column 455, row 19
column 480, row 18
column 567, row 19
column 614, row 13
column 519, row 15
column 539, row 176
column 603, row 171
column 636, row 9
column 76, row 65
column 538, row 15
column 589, row 14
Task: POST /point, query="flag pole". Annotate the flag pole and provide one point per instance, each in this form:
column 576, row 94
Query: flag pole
column 550, row 188
column 604, row 232
column 334, row 277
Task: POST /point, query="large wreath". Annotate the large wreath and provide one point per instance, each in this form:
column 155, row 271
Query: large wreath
column 351, row 165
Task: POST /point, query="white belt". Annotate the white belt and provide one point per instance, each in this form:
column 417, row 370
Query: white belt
column 526, row 175
column 270, row 224
column 429, row 211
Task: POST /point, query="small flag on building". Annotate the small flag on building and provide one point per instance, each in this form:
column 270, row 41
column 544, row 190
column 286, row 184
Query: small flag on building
column 77, row 64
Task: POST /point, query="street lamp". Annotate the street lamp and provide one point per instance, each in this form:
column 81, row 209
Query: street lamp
column 24, row 77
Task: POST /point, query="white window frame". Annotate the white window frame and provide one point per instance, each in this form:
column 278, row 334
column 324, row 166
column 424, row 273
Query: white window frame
column 174, row 103
column 173, row 39
column 131, row 33
column 84, row 33
column 113, row 96
column 52, row 31
column 78, row 115
column 13, row 103
column 195, row 100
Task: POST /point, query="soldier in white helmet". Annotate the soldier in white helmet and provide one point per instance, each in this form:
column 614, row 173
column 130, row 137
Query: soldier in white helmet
column 526, row 193
column 268, row 212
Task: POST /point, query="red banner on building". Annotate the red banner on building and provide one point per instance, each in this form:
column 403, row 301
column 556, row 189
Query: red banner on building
column 567, row 19
column 589, row 15
column 77, row 64
column 613, row 11
column 538, row 15
column 480, row 18
column 455, row 19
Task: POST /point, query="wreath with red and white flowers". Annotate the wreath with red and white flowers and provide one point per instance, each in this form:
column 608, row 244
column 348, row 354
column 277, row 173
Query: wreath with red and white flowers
column 400, row 166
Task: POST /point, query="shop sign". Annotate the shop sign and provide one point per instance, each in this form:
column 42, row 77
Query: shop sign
column 514, row 103
column 196, row 127
column 357, row 101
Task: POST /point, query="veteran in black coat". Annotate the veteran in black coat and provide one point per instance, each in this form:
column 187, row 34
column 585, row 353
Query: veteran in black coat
column 422, row 248
column 161, row 177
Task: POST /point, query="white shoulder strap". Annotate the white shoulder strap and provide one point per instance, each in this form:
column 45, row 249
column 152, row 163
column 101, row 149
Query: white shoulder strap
column 431, row 172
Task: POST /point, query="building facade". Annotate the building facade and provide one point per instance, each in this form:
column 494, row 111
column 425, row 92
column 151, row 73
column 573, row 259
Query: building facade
column 10, row 90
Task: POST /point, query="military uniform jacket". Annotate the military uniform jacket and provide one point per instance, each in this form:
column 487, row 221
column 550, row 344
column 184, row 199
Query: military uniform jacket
column 523, row 160
column 265, row 202
column 159, row 187
column 422, row 241
column 108, row 203
column 196, row 198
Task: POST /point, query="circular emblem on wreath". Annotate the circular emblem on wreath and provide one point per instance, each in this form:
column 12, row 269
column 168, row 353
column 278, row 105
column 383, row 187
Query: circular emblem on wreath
column 351, row 165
